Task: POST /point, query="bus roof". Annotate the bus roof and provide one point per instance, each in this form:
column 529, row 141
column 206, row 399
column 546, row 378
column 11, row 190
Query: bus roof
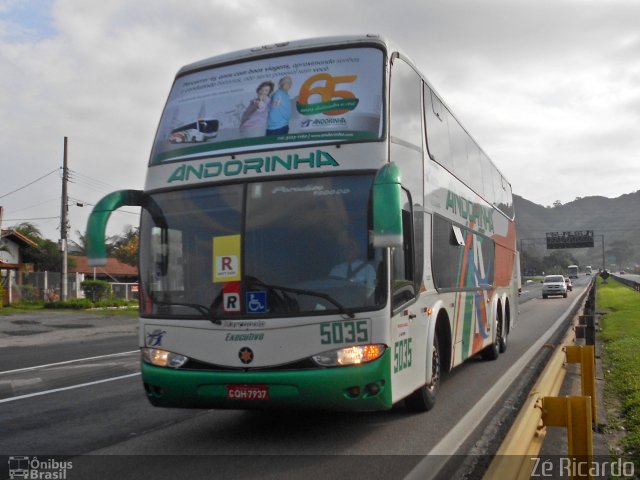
column 282, row 48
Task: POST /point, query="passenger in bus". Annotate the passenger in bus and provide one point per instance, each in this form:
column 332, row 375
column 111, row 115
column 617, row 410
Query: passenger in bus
column 254, row 118
column 280, row 111
column 354, row 268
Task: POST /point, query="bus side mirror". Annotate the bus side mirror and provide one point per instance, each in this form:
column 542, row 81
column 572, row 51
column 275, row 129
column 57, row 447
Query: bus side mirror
column 97, row 223
column 387, row 207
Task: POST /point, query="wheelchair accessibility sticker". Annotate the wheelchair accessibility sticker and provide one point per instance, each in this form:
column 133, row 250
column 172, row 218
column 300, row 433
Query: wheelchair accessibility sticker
column 256, row 302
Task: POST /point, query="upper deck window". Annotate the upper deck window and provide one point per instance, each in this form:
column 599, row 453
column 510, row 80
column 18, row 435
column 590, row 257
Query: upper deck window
column 307, row 98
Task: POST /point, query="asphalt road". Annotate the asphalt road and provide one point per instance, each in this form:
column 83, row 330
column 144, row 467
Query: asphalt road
column 75, row 392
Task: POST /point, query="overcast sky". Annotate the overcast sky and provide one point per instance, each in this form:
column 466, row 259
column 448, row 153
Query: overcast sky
column 549, row 88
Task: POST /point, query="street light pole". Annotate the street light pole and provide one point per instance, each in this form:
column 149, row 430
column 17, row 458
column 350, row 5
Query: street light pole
column 63, row 225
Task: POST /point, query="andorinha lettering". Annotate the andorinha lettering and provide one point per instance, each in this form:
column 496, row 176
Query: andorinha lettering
column 471, row 211
column 258, row 165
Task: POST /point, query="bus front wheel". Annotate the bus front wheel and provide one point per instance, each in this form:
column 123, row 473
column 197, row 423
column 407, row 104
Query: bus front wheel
column 424, row 398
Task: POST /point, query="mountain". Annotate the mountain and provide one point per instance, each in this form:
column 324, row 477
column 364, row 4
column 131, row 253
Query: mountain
column 617, row 220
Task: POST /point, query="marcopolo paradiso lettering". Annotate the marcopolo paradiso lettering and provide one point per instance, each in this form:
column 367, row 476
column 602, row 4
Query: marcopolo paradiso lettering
column 258, row 165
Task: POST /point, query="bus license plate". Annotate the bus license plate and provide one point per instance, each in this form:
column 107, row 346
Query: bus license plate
column 247, row 392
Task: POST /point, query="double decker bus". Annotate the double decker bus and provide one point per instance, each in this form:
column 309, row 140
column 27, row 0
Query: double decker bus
column 343, row 254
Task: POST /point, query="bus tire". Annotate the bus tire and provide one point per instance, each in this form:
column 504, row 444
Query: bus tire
column 424, row 398
column 492, row 352
column 503, row 340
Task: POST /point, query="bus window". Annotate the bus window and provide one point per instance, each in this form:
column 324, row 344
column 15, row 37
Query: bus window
column 457, row 251
column 405, row 111
column 405, row 121
column 458, row 141
column 403, row 280
column 437, row 129
column 487, row 178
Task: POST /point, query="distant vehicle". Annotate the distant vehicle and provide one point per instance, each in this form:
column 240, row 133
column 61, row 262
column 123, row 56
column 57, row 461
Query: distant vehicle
column 554, row 285
column 567, row 280
column 199, row 131
column 588, row 270
column 621, row 272
column 573, row 271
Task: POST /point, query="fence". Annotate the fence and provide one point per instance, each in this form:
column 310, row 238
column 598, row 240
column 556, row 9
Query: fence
column 45, row 286
column 628, row 282
column 517, row 455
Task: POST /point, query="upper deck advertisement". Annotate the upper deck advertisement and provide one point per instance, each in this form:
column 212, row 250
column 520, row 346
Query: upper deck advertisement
column 327, row 96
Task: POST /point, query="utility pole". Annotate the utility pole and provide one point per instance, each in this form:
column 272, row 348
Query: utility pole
column 63, row 225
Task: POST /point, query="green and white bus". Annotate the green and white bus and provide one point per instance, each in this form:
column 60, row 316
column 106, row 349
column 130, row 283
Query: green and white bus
column 342, row 253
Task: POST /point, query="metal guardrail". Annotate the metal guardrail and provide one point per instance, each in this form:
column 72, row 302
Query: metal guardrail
column 627, row 281
column 516, row 457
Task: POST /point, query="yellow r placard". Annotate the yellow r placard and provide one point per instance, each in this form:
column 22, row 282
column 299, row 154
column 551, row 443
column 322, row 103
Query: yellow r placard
column 226, row 258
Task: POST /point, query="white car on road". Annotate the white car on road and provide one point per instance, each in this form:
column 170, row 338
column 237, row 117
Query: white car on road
column 554, row 285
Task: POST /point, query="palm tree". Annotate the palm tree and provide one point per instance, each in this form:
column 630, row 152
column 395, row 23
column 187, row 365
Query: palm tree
column 82, row 242
column 28, row 230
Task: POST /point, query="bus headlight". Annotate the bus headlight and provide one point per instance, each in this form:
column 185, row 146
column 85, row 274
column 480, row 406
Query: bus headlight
column 354, row 355
column 163, row 358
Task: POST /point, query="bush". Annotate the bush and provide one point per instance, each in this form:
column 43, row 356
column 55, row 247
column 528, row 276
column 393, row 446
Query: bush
column 96, row 290
column 28, row 293
column 73, row 303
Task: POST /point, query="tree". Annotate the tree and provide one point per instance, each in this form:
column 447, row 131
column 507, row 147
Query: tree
column 109, row 243
column 557, row 204
column 125, row 247
column 558, row 262
column 46, row 256
column 621, row 250
column 82, row 242
column 28, row 230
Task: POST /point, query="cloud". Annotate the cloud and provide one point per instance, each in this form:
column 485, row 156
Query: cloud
column 550, row 89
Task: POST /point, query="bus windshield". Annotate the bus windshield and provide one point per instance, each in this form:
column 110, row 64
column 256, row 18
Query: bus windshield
column 286, row 247
column 307, row 98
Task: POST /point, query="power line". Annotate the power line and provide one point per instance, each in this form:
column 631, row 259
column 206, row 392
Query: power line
column 28, row 184
column 36, row 205
column 27, row 219
column 90, row 182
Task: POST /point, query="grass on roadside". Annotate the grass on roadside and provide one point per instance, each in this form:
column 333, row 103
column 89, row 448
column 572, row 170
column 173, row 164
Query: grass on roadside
column 119, row 308
column 621, row 356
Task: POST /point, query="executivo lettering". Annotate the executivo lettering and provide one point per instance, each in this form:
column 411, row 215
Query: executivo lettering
column 243, row 337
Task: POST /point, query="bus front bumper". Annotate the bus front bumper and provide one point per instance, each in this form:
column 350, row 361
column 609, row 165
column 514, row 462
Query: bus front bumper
column 355, row 388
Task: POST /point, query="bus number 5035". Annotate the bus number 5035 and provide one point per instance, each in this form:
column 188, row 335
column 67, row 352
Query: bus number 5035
column 344, row 332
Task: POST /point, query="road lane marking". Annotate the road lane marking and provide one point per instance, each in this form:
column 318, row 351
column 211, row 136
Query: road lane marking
column 120, row 354
column 72, row 387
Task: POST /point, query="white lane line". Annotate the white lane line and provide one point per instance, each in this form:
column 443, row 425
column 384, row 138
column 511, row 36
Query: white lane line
column 46, row 392
column 6, row 372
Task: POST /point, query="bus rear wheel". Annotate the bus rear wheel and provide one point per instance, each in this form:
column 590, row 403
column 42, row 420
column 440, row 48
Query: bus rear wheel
column 424, row 398
column 492, row 352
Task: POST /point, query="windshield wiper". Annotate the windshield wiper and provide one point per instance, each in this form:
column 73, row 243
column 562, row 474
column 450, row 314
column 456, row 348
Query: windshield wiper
column 204, row 310
column 341, row 308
